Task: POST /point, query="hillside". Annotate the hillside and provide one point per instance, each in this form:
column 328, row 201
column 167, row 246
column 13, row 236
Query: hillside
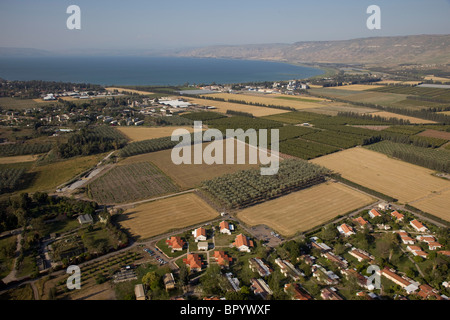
column 421, row 49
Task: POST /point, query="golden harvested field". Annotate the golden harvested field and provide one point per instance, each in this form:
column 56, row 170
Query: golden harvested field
column 431, row 77
column 189, row 175
column 157, row 217
column 437, row 204
column 144, row 133
column 401, row 180
column 305, row 209
column 412, row 120
column 128, row 90
column 356, row 87
column 19, row 159
column 445, row 112
column 273, row 99
column 222, row 107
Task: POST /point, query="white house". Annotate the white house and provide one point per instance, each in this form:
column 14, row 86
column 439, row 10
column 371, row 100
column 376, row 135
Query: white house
column 418, row 226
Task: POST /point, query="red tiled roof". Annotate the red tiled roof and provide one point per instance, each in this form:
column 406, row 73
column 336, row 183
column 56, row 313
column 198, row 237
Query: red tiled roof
column 175, row 243
column 200, row 232
column 375, row 213
column 194, row 261
column 242, row 240
column 361, row 221
column 222, row 258
column 397, row 214
column 346, row 228
column 417, row 224
column 224, row 225
column 444, row 252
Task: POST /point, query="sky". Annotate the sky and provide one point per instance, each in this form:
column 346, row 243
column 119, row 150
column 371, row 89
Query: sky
column 138, row 25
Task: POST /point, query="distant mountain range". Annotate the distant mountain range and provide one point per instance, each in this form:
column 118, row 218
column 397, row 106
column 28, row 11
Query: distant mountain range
column 415, row 49
column 420, row 49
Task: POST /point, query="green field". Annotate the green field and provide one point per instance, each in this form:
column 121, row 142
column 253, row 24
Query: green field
column 130, row 182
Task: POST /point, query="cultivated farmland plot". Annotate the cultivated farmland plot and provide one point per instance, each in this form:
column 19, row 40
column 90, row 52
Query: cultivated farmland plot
column 401, row 180
column 145, row 133
column 305, row 209
column 130, row 182
column 161, row 216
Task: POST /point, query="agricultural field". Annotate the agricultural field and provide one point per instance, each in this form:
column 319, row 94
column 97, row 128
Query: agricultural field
column 432, row 93
column 295, row 117
column 222, row 107
column 10, row 179
column 435, row 159
column 271, row 99
column 305, row 209
column 126, row 183
column 245, row 188
column 48, row 177
column 305, row 149
column 435, row 134
column 191, row 175
column 412, row 120
column 403, row 181
column 433, row 78
column 145, row 133
column 19, row 159
column 436, row 204
column 21, row 104
column 112, row 89
column 157, row 217
column 354, row 87
column 17, row 149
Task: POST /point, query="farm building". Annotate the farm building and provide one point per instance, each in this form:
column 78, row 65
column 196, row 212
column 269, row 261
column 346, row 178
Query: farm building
column 169, row 281
column 139, row 292
column 85, row 219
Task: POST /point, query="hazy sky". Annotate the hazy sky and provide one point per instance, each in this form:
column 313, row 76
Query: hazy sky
column 152, row 25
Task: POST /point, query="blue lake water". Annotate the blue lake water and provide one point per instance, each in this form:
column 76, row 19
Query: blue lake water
column 148, row 70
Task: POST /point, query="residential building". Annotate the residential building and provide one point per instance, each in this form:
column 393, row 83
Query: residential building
column 361, row 221
column 328, row 277
column 202, row 246
column 426, row 292
column 403, row 282
column 289, row 270
column 417, row 251
column 309, row 259
column 260, row 288
column 361, row 255
column 418, row 226
column 384, row 206
column 222, row 259
column 319, row 245
column 346, row 230
column 374, row 213
column 225, row 227
column 296, row 291
column 234, row 282
column 338, row 260
column 360, row 279
column 434, row 245
column 330, row 294
column 194, row 262
column 257, row 265
column 242, row 243
column 427, row 239
column 397, row 215
column 175, row 243
column 199, row 234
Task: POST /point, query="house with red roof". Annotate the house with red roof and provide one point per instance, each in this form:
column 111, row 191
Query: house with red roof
column 346, row 230
column 417, row 251
column 225, row 227
column 361, row 221
column 194, row 262
column 418, row 226
column 374, row 213
column 434, row 245
column 175, row 243
column 397, row 215
column 222, row 258
column 242, row 243
column 199, row 234
column 296, row 292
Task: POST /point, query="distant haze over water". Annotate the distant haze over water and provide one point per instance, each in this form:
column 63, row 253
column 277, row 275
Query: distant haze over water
column 148, row 70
